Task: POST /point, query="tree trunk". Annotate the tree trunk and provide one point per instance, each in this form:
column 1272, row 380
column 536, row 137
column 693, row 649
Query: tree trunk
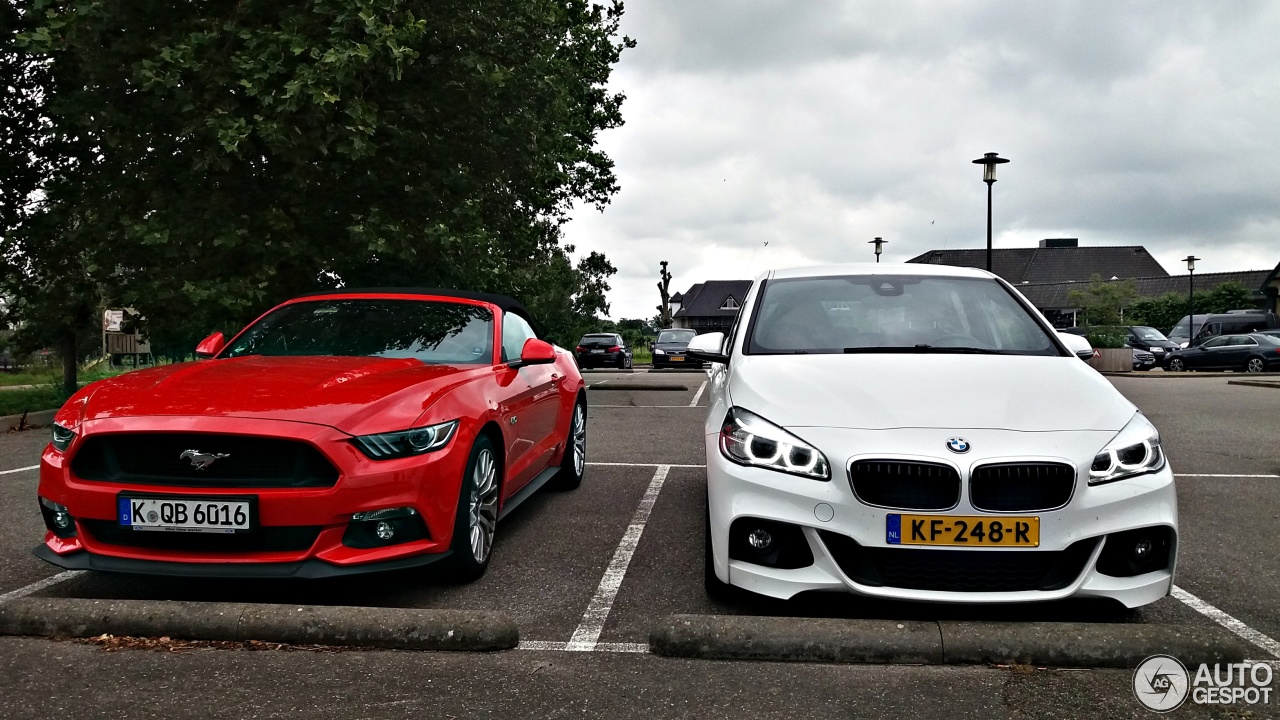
column 69, row 363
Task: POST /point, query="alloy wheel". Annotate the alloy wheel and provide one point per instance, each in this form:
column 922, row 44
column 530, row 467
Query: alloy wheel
column 1254, row 365
column 1176, row 365
column 483, row 509
column 579, row 433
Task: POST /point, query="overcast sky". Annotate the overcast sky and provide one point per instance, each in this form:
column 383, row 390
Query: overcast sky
column 816, row 126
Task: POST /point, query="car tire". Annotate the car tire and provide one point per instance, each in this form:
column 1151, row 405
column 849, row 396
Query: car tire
column 1255, row 365
column 574, row 464
column 1176, row 365
column 475, row 524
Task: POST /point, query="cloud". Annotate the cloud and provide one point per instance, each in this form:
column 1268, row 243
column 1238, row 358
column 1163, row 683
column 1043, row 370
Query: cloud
column 817, row 126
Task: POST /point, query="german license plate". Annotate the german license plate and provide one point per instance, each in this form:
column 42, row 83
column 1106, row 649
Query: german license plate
column 597, row 352
column 174, row 514
column 962, row 531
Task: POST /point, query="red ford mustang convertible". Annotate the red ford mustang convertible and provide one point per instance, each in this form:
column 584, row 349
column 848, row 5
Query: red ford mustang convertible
column 341, row 432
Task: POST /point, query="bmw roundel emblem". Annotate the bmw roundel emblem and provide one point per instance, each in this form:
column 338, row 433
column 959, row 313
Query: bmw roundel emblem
column 958, row 445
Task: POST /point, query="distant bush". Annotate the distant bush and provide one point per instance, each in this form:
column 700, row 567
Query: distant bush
column 1105, row 338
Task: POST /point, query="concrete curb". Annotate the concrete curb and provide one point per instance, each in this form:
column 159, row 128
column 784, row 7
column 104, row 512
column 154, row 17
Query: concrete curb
column 38, row 417
column 1275, row 385
column 737, row 637
column 393, row 628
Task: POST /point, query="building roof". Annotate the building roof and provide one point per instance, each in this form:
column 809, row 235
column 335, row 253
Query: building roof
column 1056, row 296
column 1053, row 264
column 705, row 299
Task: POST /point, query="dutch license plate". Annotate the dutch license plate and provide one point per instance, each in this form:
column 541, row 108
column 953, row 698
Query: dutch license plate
column 173, row 514
column 597, row 352
column 962, row 531
column 677, row 358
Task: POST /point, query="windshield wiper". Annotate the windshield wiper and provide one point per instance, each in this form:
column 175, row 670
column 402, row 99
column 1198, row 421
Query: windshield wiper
column 925, row 348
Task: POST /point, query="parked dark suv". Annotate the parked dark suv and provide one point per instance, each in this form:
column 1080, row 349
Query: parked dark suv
column 1230, row 323
column 669, row 350
column 603, row 350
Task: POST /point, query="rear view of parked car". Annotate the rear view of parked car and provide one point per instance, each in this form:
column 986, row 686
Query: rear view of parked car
column 603, row 350
column 1255, row 352
column 669, row 350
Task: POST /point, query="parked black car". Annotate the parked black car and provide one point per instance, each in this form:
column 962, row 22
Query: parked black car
column 1230, row 323
column 669, row 350
column 603, row 350
column 1143, row 360
column 1254, row 352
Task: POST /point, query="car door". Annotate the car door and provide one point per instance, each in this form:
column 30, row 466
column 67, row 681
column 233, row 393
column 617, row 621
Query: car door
column 1239, row 347
column 1208, row 355
column 534, row 406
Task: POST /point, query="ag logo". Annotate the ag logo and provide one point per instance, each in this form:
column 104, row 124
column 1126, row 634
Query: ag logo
column 958, row 445
column 1161, row 683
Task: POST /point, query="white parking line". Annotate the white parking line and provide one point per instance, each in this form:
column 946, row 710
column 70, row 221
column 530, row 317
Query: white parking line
column 1227, row 621
column 698, row 396
column 644, row 465
column 599, row 647
column 18, row 470
column 42, row 584
column 586, row 637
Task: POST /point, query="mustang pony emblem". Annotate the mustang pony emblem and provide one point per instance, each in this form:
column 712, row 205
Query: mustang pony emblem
column 201, row 460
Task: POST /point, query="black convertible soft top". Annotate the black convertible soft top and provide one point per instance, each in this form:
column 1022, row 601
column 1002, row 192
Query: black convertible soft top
column 505, row 303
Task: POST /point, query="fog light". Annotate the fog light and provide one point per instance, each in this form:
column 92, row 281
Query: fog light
column 759, row 539
column 57, row 518
column 1142, row 549
column 384, row 531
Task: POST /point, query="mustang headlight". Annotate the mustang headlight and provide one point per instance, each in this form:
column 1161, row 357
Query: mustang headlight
column 748, row 439
column 387, row 446
column 1135, row 450
column 62, row 437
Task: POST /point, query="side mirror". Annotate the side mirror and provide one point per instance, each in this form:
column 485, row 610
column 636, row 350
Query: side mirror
column 537, row 352
column 210, row 346
column 708, row 347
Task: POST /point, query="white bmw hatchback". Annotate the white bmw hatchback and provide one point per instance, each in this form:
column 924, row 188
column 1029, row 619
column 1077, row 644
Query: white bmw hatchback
column 920, row 432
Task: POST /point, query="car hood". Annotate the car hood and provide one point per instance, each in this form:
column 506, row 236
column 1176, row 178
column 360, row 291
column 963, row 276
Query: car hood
column 873, row 391
column 348, row 393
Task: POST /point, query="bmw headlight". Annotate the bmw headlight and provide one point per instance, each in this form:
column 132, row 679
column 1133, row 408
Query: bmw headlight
column 417, row 441
column 748, row 439
column 1135, row 450
column 62, row 437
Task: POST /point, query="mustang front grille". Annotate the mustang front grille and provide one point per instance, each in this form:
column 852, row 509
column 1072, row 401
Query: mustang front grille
column 959, row 570
column 905, row 484
column 1021, row 487
column 202, row 460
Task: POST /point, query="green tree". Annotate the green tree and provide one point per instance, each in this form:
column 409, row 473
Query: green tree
column 213, row 159
column 1102, row 302
column 1165, row 311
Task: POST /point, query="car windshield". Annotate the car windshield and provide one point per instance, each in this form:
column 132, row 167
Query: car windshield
column 1150, row 334
column 1180, row 330
column 431, row 331
column 894, row 313
column 597, row 340
column 676, row 336
column 1267, row 338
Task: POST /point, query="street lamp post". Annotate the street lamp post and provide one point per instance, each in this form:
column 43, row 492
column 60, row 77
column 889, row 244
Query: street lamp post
column 989, row 161
column 878, row 242
column 1191, row 293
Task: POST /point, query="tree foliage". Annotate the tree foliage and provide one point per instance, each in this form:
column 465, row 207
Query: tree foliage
column 1102, row 301
column 200, row 162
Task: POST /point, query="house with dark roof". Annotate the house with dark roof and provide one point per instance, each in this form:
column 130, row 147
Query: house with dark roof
column 709, row 306
column 1055, row 260
column 1047, row 274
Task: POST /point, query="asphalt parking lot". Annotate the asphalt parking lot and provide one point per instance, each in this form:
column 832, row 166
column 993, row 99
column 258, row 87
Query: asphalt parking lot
column 586, row 574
